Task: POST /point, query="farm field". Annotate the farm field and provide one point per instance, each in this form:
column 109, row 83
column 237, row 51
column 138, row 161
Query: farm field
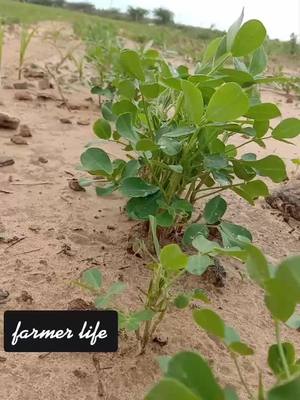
column 52, row 229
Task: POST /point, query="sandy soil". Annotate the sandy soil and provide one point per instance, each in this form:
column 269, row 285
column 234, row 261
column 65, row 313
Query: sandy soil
column 48, row 215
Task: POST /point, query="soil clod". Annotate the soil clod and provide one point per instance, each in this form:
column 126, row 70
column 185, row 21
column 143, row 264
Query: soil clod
column 8, row 122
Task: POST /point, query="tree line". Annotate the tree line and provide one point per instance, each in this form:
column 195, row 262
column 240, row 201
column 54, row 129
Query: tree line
column 159, row 15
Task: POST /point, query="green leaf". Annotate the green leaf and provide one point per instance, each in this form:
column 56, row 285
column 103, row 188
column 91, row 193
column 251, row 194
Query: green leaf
column 125, row 128
column 215, row 162
column 102, row 129
column 249, row 38
column 131, row 169
column 141, row 207
column 198, row 264
column 261, row 128
column 210, row 322
column 127, row 89
column 163, row 362
column 280, row 302
column 106, row 190
column 131, row 62
column 252, row 190
column 234, row 235
column 204, row 245
column 258, row 62
column 214, row 210
column 193, row 101
column 200, row 295
column 106, row 111
column 271, row 166
column 288, row 273
column 193, row 231
column 124, row 106
column 134, row 321
column 230, row 394
column 241, row 348
column 146, row 145
column 231, row 336
column 263, row 111
column 115, row 289
column 211, row 49
column 288, row 128
column 92, row 278
column 257, row 265
column 94, row 160
column 287, row 391
column 233, row 30
column 165, row 219
column 186, row 368
column 169, row 146
column 152, row 90
column 178, row 132
column 170, row 389
column 227, row 103
column 172, row 258
column 293, row 322
column 274, row 358
column 181, row 301
column 137, row 187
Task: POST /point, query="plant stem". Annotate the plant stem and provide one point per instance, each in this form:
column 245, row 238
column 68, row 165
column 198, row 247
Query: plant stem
column 281, row 351
column 243, row 382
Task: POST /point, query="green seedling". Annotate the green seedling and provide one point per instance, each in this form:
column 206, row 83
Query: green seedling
column 169, row 264
column 177, row 127
column 25, row 39
column 189, row 377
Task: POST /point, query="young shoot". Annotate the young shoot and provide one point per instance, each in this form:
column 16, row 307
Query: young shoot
column 25, row 39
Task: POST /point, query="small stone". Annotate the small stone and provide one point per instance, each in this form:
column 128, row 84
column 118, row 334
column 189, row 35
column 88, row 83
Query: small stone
column 74, row 185
column 78, row 106
column 16, row 139
column 83, row 122
column 42, row 160
column 44, row 84
column 65, row 121
column 3, row 359
column 23, row 96
column 80, row 305
column 21, row 85
column 7, row 86
column 5, row 161
column 34, row 228
column 34, row 72
column 25, row 131
column 25, row 297
column 46, row 96
column 79, row 374
column 8, row 122
column 4, row 294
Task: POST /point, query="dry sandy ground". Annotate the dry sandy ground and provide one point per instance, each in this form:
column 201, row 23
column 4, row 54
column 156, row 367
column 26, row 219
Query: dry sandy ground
column 50, row 215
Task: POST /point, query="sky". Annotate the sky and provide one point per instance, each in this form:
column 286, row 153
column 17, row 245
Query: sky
column 281, row 17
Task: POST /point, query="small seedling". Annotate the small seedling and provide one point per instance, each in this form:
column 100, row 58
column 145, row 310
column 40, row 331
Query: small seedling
column 25, row 39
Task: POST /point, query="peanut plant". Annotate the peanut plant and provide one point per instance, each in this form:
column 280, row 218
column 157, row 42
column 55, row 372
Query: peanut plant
column 189, row 377
column 177, row 127
column 169, row 264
